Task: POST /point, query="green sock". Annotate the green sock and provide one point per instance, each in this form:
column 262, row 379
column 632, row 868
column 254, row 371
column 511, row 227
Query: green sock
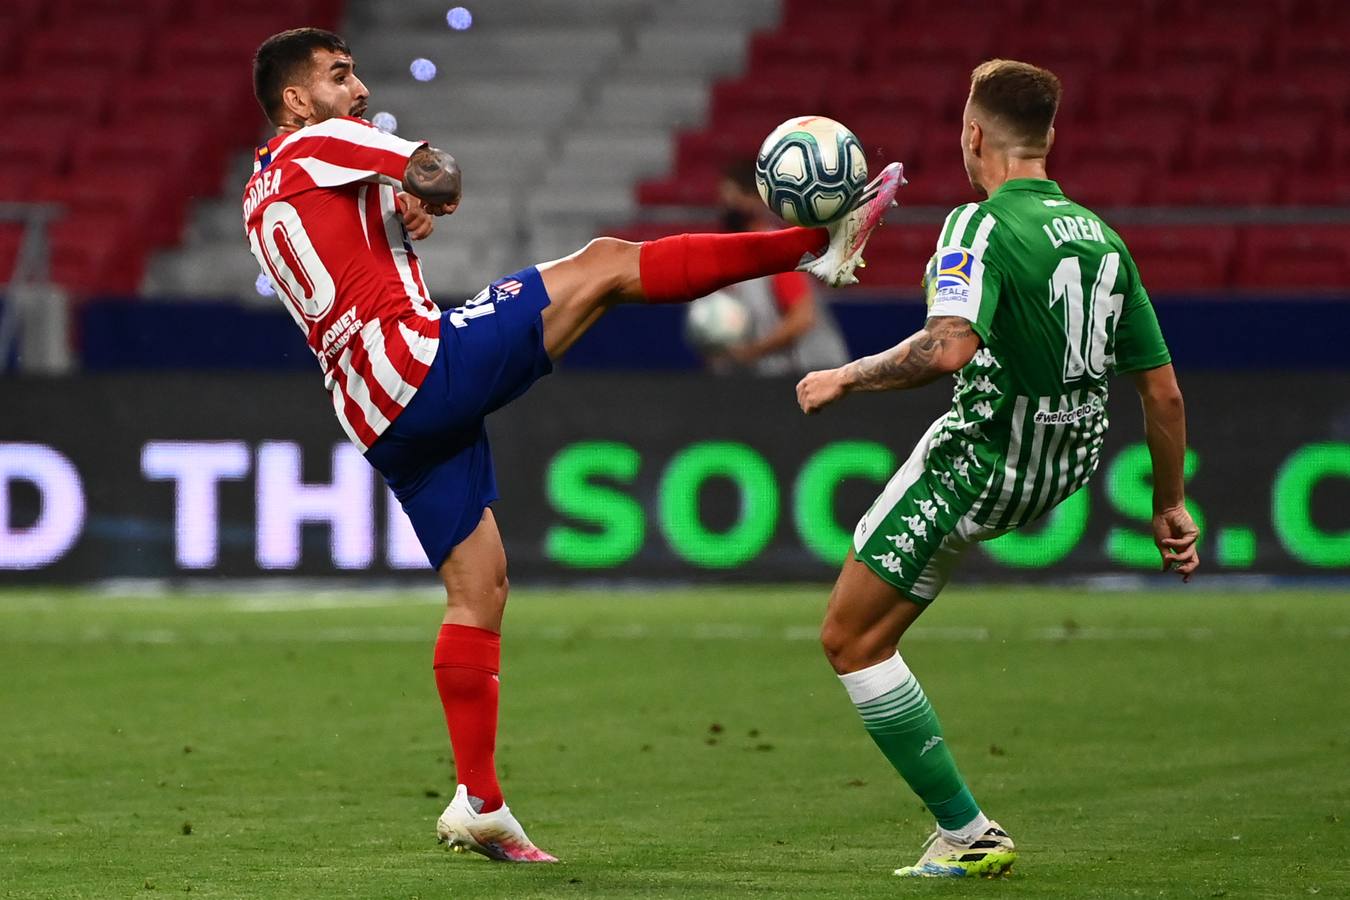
column 901, row 720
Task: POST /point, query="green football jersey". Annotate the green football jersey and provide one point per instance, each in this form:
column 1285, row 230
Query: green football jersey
column 1056, row 299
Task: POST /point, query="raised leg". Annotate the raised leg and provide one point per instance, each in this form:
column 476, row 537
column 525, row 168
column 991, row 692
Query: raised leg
column 608, row 271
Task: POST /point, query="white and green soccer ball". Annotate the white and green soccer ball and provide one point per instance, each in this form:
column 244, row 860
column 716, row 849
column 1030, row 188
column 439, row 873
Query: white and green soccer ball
column 716, row 322
column 811, row 170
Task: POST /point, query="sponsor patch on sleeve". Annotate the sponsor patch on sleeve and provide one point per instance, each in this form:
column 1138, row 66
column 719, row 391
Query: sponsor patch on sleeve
column 949, row 276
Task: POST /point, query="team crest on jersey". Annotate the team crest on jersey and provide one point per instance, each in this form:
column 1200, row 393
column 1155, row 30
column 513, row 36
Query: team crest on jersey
column 505, row 289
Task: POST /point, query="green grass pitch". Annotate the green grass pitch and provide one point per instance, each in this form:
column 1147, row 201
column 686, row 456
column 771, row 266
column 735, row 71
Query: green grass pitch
column 1175, row 743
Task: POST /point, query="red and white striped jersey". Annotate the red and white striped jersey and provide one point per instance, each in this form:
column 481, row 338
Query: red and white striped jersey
column 322, row 218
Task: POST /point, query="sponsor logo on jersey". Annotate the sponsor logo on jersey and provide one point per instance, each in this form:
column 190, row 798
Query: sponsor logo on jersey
column 339, row 334
column 1069, row 416
column 948, row 276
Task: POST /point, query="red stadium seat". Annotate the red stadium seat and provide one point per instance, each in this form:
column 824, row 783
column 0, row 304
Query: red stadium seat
column 111, row 45
column 884, row 136
column 94, row 195
column 1262, row 142
column 650, row 231
column 1099, row 40
column 1339, row 163
column 1216, row 186
column 36, row 152
column 81, row 96
column 1103, row 185
column 21, row 15
column 149, row 12
column 943, row 38
column 812, row 16
column 905, row 91
column 763, row 99
column 1321, row 88
column 1295, row 256
column 310, row 12
column 1317, row 189
column 1222, row 41
column 1313, row 44
column 185, row 51
column 95, row 253
column 1112, row 143
column 769, row 50
column 1193, row 89
column 11, row 238
column 897, row 255
column 694, row 186
column 1182, row 258
column 717, row 147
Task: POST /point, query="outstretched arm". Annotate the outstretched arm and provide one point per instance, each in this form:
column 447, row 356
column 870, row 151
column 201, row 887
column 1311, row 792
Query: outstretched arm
column 1174, row 531
column 432, row 176
column 943, row 346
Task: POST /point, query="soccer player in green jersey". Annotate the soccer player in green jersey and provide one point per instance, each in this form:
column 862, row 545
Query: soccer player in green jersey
column 1034, row 302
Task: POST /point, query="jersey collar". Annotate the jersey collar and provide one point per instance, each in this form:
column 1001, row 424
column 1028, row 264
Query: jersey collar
column 1034, row 185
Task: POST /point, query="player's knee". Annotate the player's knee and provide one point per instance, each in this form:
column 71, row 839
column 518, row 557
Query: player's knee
column 850, row 650
column 837, row 643
column 613, row 261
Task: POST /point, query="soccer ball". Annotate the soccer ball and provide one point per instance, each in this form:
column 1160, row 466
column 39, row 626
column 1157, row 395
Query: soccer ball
column 811, row 170
column 716, row 322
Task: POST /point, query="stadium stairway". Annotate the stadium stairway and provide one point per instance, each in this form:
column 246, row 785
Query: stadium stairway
column 554, row 109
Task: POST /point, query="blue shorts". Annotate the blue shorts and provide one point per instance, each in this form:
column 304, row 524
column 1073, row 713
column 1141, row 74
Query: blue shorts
column 435, row 456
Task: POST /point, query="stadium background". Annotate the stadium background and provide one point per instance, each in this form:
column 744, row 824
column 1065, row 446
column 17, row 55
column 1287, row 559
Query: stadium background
column 174, row 723
column 159, row 417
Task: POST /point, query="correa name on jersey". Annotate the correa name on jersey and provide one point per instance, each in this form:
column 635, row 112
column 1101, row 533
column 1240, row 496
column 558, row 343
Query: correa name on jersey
column 267, row 184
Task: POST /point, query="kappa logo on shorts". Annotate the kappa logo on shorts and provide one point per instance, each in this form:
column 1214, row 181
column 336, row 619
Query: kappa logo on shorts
column 903, row 542
column 890, row 562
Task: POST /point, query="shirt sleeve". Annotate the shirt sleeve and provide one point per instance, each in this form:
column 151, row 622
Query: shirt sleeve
column 347, row 150
column 963, row 277
column 1139, row 343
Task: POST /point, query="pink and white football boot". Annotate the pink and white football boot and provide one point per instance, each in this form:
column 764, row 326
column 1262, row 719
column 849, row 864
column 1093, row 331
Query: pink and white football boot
column 849, row 235
column 496, row 835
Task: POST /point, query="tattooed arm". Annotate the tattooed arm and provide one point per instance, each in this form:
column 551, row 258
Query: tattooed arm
column 945, row 344
column 432, row 176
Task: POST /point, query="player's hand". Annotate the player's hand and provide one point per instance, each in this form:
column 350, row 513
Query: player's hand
column 819, row 389
column 438, row 209
column 1175, row 534
column 417, row 219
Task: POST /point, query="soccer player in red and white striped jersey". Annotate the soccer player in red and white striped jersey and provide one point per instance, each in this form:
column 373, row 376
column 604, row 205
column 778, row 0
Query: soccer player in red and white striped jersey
column 328, row 213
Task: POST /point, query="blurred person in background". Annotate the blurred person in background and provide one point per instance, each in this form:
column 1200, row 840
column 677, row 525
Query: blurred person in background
column 792, row 330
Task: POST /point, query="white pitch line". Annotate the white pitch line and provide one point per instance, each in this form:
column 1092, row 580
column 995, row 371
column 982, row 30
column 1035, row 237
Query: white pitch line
column 697, row 632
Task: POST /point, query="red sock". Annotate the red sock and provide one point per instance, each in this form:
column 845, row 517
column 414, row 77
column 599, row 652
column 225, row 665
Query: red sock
column 680, row 268
column 467, row 662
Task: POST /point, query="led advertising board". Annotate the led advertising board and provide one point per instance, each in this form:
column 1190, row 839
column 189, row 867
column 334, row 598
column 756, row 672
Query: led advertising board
column 683, row 477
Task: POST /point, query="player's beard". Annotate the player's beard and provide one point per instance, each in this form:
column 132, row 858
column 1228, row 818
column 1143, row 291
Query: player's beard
column 323, row 112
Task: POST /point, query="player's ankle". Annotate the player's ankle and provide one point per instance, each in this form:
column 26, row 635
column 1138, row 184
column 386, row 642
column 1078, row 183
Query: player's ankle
column 968, row 832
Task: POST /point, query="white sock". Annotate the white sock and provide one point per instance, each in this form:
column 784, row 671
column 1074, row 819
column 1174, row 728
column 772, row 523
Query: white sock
column 868, row 684
column 978, row 826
